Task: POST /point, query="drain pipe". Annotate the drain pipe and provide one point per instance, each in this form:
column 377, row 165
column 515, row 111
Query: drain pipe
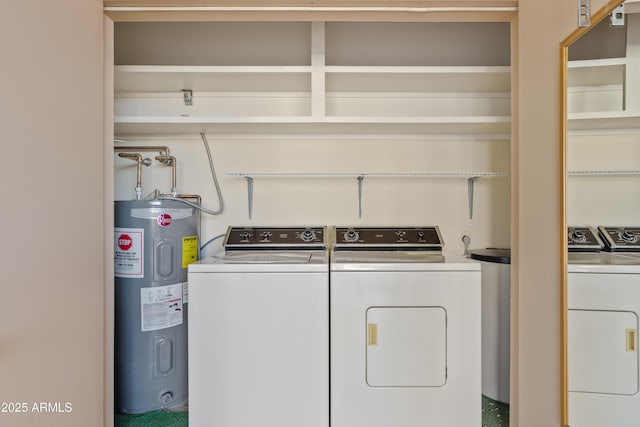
column 170, row 161
column 138, row 158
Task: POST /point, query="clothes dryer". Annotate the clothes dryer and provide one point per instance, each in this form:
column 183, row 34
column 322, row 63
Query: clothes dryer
column 259, row 331
column 604, row 302
column 405, row 330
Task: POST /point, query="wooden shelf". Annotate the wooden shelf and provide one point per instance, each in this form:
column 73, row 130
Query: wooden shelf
column 607, row 120
column 167, row 78
column 596, row 72
column 498, row 126
column 456, row 100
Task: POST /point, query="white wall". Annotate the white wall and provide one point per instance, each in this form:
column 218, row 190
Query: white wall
column 603, row 200
column 329, row 201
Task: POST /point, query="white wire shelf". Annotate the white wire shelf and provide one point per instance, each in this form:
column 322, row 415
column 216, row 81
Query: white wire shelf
column 312, row 175
column 471, row 178
column 603, row 172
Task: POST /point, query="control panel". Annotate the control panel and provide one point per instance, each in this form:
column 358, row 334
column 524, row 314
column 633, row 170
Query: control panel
column 622, row 239
column 583, row 239
column 388, row 238
column 275, row 238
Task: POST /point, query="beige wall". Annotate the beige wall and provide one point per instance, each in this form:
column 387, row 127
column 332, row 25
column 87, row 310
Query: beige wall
column 543, row 24
column 51, row 226
column 53, row 257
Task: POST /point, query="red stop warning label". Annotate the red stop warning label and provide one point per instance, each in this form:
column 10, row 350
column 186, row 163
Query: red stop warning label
column 125, row 242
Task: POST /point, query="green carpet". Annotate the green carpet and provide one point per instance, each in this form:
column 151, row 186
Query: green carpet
column 494, row 414
column 153, row 419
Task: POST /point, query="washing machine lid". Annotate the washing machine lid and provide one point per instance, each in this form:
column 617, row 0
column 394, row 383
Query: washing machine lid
column 604, row 263
column 264, row 261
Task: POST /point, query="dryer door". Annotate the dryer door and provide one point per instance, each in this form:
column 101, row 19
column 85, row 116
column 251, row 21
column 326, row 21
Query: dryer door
column 406, row 346
column 603, row 357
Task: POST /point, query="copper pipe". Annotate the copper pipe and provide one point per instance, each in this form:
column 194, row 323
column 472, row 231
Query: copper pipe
column 161, row 149
column 170, row 161
column 138, row 158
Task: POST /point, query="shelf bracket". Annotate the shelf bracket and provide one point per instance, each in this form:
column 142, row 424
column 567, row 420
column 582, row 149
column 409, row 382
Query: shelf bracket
column 584, row 13
column 249, row 195
column 470, row 183
column 617, row 16
column 187, row 94
column 360, row 180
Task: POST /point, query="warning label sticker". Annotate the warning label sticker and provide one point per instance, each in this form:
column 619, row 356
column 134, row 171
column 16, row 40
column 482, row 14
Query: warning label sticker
column 128, row 252
column 161, row 307
column 189, row 250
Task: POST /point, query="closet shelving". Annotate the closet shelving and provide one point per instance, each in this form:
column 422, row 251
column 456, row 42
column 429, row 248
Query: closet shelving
column 598, row 104
column 470, row 177
column 314, row 96
column 252, row 99
column 597, row 98
column 345, row 79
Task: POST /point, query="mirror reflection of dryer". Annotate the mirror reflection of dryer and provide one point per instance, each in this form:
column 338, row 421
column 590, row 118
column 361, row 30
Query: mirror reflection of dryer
column 405, row 330
column 603, row 297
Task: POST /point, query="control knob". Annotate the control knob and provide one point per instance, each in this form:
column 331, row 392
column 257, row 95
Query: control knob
column 400, row 234
column 351, row 235
column 577, row 236
column 308, row 236
column 628, row 236
column 246, row 235
column 266, row 235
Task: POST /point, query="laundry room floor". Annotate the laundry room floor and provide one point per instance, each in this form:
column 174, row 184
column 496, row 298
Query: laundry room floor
column 494, row 414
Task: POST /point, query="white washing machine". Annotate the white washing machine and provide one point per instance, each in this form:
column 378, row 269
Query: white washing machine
column 405, row 330
column 259, row 331
column 604, row 303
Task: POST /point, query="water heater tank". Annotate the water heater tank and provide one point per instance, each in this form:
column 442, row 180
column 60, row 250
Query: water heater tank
column 154, row 242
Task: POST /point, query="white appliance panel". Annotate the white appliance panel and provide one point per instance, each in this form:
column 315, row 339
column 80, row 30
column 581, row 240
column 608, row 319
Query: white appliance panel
column 356, row 403
column 610, row 285
column 258, row 349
